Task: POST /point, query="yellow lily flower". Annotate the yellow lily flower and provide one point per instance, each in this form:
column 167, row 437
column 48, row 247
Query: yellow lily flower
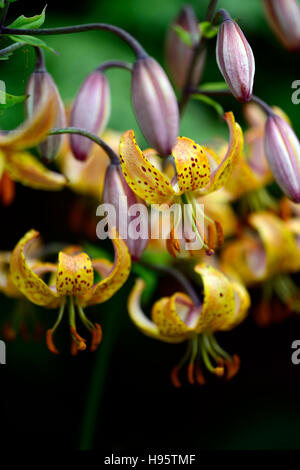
column 178, row 318
column 73, row 280
column 18, row 164
column 199, row 171
column 258, row 257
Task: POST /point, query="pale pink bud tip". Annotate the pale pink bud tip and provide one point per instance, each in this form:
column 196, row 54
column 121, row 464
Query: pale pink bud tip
column 155, row 105
column 284, row 19
column 125, row 203
column 235, row 60
column 282, row 149
column 90, row 112
column 40, row 84
column 179, row 55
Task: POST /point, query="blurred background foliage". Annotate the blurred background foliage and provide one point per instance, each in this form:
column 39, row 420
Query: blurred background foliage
column 44, row 398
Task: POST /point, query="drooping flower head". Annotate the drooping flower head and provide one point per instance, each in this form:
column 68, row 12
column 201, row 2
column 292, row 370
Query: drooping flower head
column 72, row 280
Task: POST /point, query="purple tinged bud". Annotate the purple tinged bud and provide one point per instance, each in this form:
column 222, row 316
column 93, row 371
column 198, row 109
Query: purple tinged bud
column 282, row 150
column 90, row 112
column 155, row 105
column 284, row 19
column 39, row 84
column 117, row 192
column 235, row 60
column 179, row 55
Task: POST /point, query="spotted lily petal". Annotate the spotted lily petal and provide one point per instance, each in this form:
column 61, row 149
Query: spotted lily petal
column 218, row 307
column 25, row 279
column 192, row 165
column 141, row 321
column 174, row 316
column 33, row 130
column 220, row 175
column 75, row 274
column 145, row 179
column 118, row 275
column 23, row 167
column 242, row 304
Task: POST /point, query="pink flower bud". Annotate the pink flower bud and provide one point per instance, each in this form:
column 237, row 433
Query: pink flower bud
column 155, row 105
column 120, row 195
column 90, row 112
column 235, row 60
column 284, row 18
column 39, row 84
column 179, row 55
column 282, row 150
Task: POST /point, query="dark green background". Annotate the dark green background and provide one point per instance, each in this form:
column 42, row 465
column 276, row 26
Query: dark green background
column 44, row 397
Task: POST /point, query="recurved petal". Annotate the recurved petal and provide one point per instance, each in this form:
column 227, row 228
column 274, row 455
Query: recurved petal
column 25, row 279
column 218, row 304
column 242, row 304
column 220, row 175
column 279, row 242
column 175, row 316
column 145, row 179
column 136, row 313
column 34, row 129
column 192, row 165
column 115, row 279
column 24, row 168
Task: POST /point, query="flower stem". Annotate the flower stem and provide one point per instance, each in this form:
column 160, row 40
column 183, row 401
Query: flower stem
column 124, row 35
column 74, row 130
column 180, row 278
column 13, row 47
column 115, row 64
column 198, row 48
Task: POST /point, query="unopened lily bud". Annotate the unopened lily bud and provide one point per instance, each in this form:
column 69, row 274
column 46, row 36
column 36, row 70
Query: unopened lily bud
column 235, row 60
column 284, row 18
column 41, row 83
column 90, row 112
column 120, row 195
column 155, row 105
column 282, row 150
column 179, row 55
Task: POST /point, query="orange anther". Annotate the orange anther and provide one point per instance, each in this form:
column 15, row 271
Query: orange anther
column 212, row 236
column 172, row 244
column 233, row 366
column 96, row 337
column 174, row 377
column 190, row 373
column 220, row 233
column 9, row 334
column 7, row 189
column 219, row 371
column 200, row 379
column 49, row 341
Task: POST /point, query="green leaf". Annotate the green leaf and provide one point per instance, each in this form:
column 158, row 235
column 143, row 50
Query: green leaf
column 214, row 104
column 31, row 22
column 188, row 39
column 7, row 100
column 208, row 30
column 214, row 86
column 32, row 41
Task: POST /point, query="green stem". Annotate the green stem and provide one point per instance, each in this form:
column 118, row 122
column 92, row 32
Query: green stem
column 13, row 47
column 98, row 378
column 74, row 130
column 124, row 35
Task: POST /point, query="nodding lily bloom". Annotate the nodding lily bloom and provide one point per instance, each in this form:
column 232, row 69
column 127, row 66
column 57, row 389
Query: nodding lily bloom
column 261, row 255
column 17, row 163
column 72, row 281
column 266, row 259
column 179, row 318
column 199, row 171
